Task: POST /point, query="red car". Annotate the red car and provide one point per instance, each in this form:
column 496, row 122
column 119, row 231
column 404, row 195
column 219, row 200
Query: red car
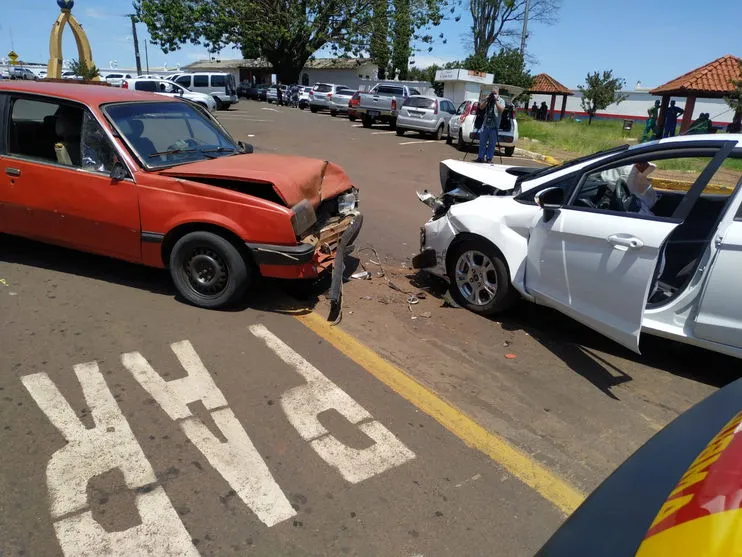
column 158, row 181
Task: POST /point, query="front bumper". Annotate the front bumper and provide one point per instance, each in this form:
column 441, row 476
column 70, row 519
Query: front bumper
column 310, row 258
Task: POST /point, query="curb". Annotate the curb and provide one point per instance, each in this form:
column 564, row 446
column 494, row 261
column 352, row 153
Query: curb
column 523, row 153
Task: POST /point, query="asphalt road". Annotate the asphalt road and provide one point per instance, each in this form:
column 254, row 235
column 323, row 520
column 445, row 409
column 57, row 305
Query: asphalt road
column 132, row 424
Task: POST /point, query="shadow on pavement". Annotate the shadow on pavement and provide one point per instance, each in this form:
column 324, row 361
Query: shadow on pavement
column 578, row 346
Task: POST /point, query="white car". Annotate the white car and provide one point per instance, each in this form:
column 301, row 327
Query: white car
column 170, row 89
column 461, row 128
column 116, row 79
column 600, row 241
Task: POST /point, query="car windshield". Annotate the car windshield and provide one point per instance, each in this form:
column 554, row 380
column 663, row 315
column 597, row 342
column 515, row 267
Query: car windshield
column 419, row 102
column 322, row 88
column 553, row 169
column 166, row 134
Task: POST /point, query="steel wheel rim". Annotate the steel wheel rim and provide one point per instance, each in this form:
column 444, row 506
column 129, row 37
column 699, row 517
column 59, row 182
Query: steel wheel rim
column 206, row 271
column 476, row 277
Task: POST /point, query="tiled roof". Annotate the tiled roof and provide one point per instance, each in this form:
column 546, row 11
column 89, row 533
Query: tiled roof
column 336, row 63
column 544, row 84
column 714, row 78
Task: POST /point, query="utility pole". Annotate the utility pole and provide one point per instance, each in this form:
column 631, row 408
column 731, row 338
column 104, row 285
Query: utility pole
column 136, row 42
column 524, row 34
column 146, row 55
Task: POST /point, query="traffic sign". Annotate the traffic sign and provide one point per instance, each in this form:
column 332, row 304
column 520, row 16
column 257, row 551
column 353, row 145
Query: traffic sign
column 13, row 57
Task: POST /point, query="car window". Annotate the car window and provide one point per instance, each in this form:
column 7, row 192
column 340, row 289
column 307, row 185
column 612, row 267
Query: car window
column 322, row 88
column 651, row 186
column 184, row 80
column 451, row 107
column 150, row 86
column 200, row 80
column 218, row 81
column 59, row 133
column 389, row 91
column 419, row 102
column 414, row 92
column 169, row 133
column 462, row 108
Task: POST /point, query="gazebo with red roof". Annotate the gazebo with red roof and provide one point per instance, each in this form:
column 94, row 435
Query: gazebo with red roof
column 544, row 84
column 712, row 81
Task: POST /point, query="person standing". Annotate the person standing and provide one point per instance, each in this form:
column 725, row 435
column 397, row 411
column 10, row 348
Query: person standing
column 650, row 130
column 736, row 125
column 279, row 94
column 543, row 112
column 534, row 110
column 671, row 119
column 492, row 107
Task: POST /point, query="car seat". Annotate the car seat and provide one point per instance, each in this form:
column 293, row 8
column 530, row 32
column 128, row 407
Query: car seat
column 68, row 124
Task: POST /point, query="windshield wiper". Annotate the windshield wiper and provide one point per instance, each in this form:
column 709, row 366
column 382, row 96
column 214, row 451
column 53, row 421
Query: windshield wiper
column 173, row 152
column 208, row 152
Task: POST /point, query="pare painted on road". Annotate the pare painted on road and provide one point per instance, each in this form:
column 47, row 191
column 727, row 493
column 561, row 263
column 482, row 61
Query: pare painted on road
column 111, row 445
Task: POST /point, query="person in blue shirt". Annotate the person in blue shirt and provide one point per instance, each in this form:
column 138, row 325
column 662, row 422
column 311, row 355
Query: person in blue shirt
column 492, row 107
column 671, row 119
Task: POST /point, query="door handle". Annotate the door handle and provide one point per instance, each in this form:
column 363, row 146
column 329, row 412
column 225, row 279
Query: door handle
column 12, row 172
column 625, row 241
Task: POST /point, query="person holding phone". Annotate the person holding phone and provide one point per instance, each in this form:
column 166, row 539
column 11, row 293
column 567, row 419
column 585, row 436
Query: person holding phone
column 492, row 108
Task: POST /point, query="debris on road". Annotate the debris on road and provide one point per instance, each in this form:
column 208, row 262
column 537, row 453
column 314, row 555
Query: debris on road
column 511, row 356
column 361, row 275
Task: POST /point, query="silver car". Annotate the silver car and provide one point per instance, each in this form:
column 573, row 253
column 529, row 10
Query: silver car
column 321, row 96
column 425, row 114
column 340, row 100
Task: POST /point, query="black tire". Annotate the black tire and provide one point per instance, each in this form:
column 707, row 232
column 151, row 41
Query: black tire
column 334, row 113
column 449, row 139
column 480, row 297
column 366, row 121
column 460, row 145
column 438, row 135
column 352, row 118
column 400, row 132
column 212, row 258
column 313, row 109
column 509, row 151
column 392, row 124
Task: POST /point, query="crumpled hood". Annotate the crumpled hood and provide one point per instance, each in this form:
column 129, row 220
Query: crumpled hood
column 494, row 175
column 294, row 179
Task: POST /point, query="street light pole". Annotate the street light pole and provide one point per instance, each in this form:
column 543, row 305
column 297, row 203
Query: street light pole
column 136, row 43
column 146, row 55
column 524, row 34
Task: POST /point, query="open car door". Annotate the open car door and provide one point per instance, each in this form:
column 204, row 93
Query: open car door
column 598, row 265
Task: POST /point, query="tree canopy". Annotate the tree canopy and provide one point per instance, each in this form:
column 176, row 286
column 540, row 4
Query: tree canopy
column 601, row 90
column 288, row 32
column 734, row 99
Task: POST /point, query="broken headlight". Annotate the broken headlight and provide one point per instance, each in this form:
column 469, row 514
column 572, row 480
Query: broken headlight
column 348, row 202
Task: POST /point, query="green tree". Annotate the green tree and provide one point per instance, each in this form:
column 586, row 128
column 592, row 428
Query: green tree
column 286, row 32
column 401, row 45
column 379, row 43
column 498, row 22
column 601, row 90
column 81, row 68
column 508, row 66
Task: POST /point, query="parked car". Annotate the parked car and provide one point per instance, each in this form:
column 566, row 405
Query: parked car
column 172, row 189
column 247, row 90
column 220, row 86
column 339, row 101
column 271, row 93
column 320, row 98
column 263, row 92
column 382, row 103
column 21, row 73
column 70, row 75
column 304, row 97
column 117, row 79
column 170, row 89
column 593, row 239
column 426, row 114
column 461, row 128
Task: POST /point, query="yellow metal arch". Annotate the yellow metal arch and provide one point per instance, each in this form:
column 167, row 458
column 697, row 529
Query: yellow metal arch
column 54, row 69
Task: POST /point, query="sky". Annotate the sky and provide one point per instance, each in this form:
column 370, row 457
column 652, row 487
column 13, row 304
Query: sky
column 647, row 41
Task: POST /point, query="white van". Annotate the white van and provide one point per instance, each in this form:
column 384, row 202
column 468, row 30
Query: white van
column 221, row 86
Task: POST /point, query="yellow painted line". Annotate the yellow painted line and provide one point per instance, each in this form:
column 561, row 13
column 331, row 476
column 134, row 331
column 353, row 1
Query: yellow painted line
column 535, row 475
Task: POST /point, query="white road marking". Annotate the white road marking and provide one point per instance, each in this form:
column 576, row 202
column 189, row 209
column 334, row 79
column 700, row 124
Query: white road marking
column 413, row 142
column 237, row 460
column 271, row 109
column 357, row 125
column 90, row 452
column 381, row 133
column 250, row 135
column 304, row 403
column 244, row 119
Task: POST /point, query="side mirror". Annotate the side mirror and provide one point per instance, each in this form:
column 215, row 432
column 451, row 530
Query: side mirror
column 550, row 200
column 119, row 172
column 245, row 148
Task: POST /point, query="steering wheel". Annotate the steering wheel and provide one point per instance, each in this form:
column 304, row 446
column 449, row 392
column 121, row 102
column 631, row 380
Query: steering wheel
column 621, row 196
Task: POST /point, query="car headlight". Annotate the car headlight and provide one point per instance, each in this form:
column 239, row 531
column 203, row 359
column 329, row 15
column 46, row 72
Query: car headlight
column 304, row 217
column 348, row 202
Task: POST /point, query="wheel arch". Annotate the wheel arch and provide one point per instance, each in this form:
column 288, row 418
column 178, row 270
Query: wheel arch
column 471, row 236
column 176, row 233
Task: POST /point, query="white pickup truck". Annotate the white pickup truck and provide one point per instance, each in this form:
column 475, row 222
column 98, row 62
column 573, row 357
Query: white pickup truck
column 382, row 103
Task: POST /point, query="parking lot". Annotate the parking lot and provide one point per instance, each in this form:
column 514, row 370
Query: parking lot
column 139, row 424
